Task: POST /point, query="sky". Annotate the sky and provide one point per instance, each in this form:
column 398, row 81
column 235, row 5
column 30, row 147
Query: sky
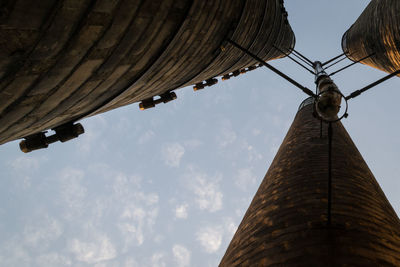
column 169, row 186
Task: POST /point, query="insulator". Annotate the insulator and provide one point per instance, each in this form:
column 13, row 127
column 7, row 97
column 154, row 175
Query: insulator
column 236, row 73
column 33, row 142
column 167, row 97
column 226, row 77
column 198, row 86
column 211, row 81
column 68, row 131
column 146, row 104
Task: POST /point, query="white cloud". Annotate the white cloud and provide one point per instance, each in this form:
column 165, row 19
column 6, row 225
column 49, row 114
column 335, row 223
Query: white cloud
column 72, row 191
column 181, row 211
column 146, row 137
column 135, row 221
column 181, row 255
column 42, row 232
column 95, row 127
column 226, row 134
column 133, row 231
column 100, row 249
column 172, row 154
column 192, row 143
column 245, row 178
column 210, row 238
column 134, row 210
column 130, row 262
column 256, row 132
column 208, row 195
column 24, row 166
column 13, row 253
column 25, row 163
column 230, row 227
column 53, row 259
column 138, row 215
column 157, row 260
column 124, row 186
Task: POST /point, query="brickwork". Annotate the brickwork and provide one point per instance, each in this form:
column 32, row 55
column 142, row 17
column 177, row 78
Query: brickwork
column 286, row 223
column 64, row 60
column 376, row 32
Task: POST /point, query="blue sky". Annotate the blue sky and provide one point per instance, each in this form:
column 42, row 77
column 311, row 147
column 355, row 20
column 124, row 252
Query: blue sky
column 169, row 186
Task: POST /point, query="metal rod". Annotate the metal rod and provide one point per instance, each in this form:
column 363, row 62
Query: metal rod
column 333, row 59
column 333, row 73
column 303, row 88
column 305, row 61
column 334, row 63
column 329, row 173
column 309, row 61
column 362, row 90
column 286, row 54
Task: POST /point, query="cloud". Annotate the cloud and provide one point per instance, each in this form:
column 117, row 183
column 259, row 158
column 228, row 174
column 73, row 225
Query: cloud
column 135, row 221
column 193, row 143
column 157, row 260
column 181, row 255
column 130, row 262
column 252, row 153
column 226, row 135
column 139, row 209
column 256, row 132
column 42, row 232
column 24, row 167
column 206, row 189
column 53, row 259
column 172, row 154
column 181, row 211
column 95, row 127
column 113, row 194
column 245, row 178
column 145, row 137
column 126, row 187
column 95, row 251
column 73, row 192
column 213, row 237
column 13, row 253
column 25, row 163
column 230, row 227
column 210, row 238
column 134, row 225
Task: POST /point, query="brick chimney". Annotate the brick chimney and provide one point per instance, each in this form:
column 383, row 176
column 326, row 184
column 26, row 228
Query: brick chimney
column 287, row 221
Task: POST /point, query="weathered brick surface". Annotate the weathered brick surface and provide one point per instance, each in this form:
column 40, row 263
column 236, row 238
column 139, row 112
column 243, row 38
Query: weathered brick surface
column 64, row 60
column 286, row 223
column 376, row 32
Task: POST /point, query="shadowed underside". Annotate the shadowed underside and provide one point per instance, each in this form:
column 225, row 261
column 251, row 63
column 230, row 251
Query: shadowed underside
column 64, row 60
column 286, row 223
column 376, row 32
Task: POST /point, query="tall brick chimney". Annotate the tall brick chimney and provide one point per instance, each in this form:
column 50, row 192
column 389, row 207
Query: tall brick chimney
column 374, row 37
column 287, row 221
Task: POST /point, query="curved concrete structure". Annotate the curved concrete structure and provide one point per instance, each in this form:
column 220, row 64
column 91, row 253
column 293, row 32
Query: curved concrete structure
column 287, row 221
column 64, row 60
column 376, row 32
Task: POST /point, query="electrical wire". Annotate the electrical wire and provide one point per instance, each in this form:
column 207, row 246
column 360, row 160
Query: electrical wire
column 333, row 59
column 366, row 88
column 334, row 63
column 348, row 66
column 298, row 85
column 309, row 61
column 294, row 54
column 287, row 55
